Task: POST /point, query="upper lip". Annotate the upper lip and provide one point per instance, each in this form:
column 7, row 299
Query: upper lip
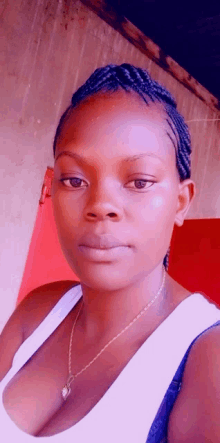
column 104, row 241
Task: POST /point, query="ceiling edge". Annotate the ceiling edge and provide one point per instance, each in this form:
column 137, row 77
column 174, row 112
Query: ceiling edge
column 151, row 49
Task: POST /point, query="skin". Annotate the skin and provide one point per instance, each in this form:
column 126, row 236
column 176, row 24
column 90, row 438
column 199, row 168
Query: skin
column 105, row 129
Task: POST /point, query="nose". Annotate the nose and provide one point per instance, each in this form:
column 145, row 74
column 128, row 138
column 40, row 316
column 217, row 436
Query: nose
column 103, row 204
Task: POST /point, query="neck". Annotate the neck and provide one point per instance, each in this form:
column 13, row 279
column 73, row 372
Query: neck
column 106, row 312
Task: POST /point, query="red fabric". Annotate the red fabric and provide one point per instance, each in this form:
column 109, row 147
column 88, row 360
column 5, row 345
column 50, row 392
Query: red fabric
column 194, row 255
column 45, row 261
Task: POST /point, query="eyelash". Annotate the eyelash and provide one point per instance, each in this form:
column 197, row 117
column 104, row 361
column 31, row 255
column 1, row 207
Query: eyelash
column 135, row 180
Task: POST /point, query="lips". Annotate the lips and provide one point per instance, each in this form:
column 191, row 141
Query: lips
column 104, row 241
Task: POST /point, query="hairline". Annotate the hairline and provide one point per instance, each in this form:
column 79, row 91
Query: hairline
column 160, row 105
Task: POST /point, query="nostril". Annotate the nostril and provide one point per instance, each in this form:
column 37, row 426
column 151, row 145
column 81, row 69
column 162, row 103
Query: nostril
column 112, row 214
column 91, row 215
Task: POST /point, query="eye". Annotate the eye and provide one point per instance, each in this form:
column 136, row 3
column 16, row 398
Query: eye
column 141, row 183
column 74, row 182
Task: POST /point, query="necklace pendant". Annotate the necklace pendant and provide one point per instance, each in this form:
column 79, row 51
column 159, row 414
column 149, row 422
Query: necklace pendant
column 66, row 391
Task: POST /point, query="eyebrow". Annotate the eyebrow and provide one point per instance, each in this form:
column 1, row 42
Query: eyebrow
column 82, row 159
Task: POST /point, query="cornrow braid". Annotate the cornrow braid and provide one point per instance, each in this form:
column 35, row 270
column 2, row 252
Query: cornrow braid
column 130, row 78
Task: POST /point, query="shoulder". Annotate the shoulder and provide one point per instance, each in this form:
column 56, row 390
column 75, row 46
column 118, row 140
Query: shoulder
column 39, row 302
column 27, row 316
column 196, row 413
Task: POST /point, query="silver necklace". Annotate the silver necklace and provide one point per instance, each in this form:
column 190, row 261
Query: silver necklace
column 67, row 389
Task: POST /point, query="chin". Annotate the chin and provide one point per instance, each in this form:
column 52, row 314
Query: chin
column 102, row 279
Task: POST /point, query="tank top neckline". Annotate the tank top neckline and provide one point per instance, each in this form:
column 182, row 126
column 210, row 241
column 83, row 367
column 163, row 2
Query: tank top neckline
column 53, row 319
column 170, row 319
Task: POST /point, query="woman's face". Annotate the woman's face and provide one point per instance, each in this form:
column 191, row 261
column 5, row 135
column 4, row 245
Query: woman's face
column 115, row 173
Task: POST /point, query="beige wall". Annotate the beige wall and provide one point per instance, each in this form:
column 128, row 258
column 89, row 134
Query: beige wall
column 49, row 49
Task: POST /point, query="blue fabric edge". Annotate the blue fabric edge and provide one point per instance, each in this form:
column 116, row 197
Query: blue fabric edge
column 159, row 427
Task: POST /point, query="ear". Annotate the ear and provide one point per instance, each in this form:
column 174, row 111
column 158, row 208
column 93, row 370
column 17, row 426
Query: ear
column 185, row 197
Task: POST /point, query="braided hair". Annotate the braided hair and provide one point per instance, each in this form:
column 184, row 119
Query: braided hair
column 130, row 78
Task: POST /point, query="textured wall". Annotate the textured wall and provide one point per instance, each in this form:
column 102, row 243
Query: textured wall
column 49, row 49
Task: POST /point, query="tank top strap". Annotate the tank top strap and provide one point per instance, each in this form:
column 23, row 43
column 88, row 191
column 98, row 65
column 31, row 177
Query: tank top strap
column 43, row 331
column 159, row 428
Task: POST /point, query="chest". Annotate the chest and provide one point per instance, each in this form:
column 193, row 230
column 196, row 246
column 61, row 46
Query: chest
column 33, row 398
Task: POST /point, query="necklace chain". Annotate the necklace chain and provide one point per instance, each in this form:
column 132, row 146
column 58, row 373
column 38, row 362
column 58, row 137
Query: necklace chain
column 66, row 389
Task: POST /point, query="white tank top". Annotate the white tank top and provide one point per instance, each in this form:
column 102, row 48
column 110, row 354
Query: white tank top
column 126, row 411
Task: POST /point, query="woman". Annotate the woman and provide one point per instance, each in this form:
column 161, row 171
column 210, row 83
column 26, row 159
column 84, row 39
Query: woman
column 129, row 355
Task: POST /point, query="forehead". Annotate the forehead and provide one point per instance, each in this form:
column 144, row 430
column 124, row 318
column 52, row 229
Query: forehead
column 117, row 122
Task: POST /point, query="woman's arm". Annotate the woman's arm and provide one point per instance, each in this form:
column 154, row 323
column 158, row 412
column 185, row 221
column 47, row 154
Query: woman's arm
column 26, row 317
column 195, row 417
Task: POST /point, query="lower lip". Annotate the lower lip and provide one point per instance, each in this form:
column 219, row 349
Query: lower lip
column 103, row 254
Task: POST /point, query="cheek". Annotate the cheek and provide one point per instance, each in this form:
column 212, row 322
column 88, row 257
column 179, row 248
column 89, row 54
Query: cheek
column 65, row 218
column 157, row 203
column 156, row 224
column 161, row 207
